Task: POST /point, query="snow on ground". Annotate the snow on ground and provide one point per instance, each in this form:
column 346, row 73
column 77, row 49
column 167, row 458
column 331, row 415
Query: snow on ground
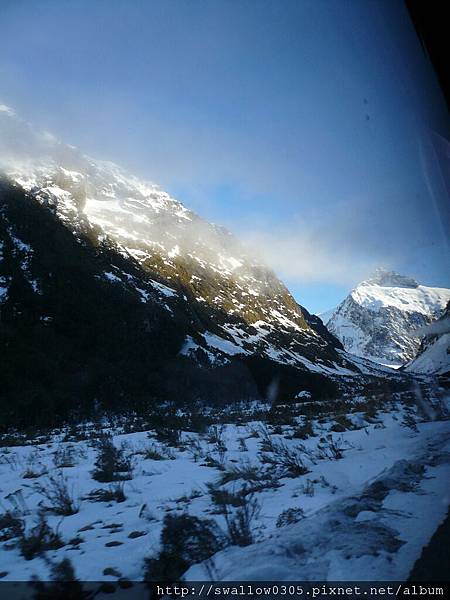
column 375, row 531
column 224, row 345
column 369, row 505
column 164, row 289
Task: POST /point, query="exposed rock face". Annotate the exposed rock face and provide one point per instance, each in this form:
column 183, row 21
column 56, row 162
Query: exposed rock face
column 433, row 357
column 381, row 317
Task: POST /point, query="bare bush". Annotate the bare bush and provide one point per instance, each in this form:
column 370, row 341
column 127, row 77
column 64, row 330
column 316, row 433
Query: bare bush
column 11, row 526
column 215, row 435
column 63, row 584
column 239, row 521
column 153, row 452
column 168, row 435
column 185, row 540
column 67, row 455
column 111, row 464
column 242, row 445
column 61, row 497
column 288, row 462
column 245, row 471
column 290, row 516
column 409, row 421
column 12, row 461
column 308, row 488
column 304, row 431
column 220, row 497
column 331, row 448
column 39, row 539
column 17, row 501
column 266, row 443
column 221, row 452
column 162, row 453
column 33, row 467
column 195, row 449
column 115, row 493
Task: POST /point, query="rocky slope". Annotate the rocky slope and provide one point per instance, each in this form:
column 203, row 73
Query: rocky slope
column 381, row 317
column 100, row 268
column 434, row 352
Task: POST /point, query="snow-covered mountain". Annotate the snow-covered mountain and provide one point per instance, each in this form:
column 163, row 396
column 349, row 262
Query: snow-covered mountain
column 189, row 255
column 221, row 304
column 381, row 317
column 434, row 352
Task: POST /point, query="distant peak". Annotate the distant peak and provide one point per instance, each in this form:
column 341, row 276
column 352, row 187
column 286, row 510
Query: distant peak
column 386, row 278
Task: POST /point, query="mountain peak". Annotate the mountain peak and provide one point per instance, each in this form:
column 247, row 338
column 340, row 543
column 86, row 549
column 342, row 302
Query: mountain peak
column 385, row 278
column 380, row 318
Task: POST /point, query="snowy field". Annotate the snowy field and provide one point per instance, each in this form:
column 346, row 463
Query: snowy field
column 356, row 498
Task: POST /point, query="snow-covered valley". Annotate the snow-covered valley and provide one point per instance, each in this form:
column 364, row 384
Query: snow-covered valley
column 352, row 495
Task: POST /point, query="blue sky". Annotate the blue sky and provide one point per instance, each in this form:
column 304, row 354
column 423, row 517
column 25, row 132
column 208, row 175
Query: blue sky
column 313, row 129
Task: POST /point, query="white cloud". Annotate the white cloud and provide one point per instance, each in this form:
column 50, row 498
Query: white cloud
column 311, row 256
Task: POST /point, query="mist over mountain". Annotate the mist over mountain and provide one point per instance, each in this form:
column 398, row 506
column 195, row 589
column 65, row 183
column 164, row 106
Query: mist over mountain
column 110, row 287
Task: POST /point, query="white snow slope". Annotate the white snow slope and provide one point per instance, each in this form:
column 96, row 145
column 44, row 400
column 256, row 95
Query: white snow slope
column 434, row 359
column 434, row 354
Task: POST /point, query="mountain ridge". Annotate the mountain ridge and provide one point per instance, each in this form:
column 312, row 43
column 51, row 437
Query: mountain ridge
column 166, row 239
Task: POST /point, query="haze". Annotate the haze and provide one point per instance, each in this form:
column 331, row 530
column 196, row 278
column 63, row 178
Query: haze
column 315, row 130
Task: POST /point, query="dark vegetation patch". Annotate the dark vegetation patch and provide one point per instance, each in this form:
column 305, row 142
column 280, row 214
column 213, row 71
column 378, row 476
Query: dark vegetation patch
column 185, row 540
